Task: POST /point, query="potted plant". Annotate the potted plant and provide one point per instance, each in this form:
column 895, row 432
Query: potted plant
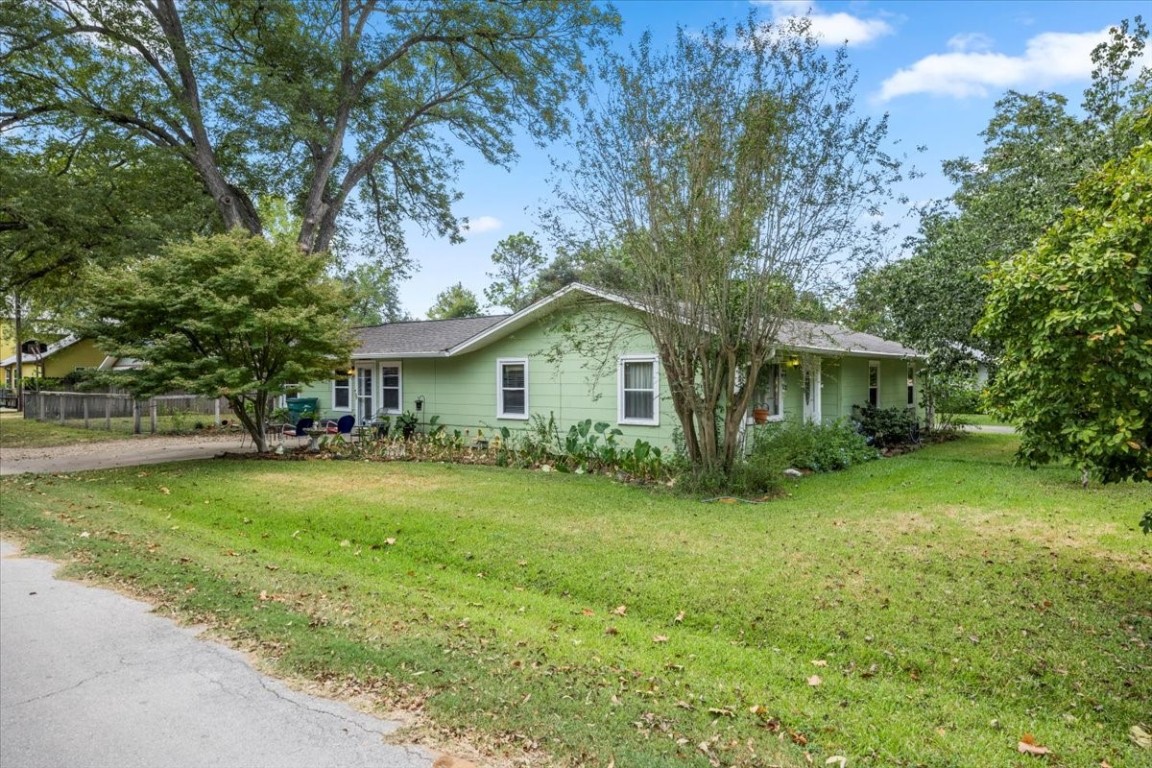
column 761, row 413
column 383, row 424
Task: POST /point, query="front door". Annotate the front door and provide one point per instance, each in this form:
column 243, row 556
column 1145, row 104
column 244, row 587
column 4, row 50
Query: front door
column 365, row 411
column 812, row 390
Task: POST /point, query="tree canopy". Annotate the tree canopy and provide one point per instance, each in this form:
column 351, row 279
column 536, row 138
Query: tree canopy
column 1036, row 150
column 336, row 106
column 232, row 315
column 454, row 301
column 517, row 259
column 734, row 176
column 1073, row 315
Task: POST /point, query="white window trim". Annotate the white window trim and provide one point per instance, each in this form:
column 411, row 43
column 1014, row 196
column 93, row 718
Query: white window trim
column 351, row 394
column 399, row 366
column 620, row 418
column 500, row 363
column 874, row 364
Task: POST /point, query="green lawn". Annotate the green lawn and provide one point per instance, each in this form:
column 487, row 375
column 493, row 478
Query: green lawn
column 978, row 419
column 18, row 432
column 945, row 602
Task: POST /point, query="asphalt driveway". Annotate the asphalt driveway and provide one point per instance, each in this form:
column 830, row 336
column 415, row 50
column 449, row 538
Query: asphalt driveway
column 92, row 679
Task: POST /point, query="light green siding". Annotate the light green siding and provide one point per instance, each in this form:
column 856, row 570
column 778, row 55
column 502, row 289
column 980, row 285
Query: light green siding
column 570, row 385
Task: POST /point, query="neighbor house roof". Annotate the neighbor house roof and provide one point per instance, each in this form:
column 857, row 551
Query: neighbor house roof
column 448, row 338
column 32, row 357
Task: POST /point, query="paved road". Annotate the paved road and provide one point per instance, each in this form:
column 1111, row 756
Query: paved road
column 92, row 679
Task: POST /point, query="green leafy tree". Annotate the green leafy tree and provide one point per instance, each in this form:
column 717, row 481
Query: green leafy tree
column 375, row 295
column 339, row 106
column 599, row 265
column 734, row 175
column 454, row 301
column 1035, row 153
column 66, row 207
column 517, row 258
column 1074, row 320
column 232, row 315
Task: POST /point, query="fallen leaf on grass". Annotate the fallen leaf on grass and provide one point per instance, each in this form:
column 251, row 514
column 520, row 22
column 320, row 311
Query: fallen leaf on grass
column 345, row 543
column 819, row 663
column 588, row 612
column 660, row 638
column 620, row 610
column 389, row 542
column 164, row 490
column 1028, row 746
column 679, row 617
column 815, row 680
column 1140, row 737
column 839, row 760
column 611, row 631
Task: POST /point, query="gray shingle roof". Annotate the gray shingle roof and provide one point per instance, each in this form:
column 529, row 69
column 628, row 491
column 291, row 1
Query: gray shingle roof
column 436, row 337
column 825, row 337
column 420, row 337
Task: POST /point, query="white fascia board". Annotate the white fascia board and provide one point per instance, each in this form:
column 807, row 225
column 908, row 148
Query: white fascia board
column 833, row 352
column 398, row 355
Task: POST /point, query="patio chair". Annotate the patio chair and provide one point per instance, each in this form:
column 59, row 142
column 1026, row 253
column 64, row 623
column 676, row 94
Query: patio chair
column 301, row 428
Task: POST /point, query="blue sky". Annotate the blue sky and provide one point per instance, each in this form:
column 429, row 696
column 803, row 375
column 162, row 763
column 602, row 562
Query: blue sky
column 936, row 68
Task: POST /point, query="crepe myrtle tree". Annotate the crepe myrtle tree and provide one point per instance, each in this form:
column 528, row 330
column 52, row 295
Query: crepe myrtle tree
column 734, row 176
column 233, row 315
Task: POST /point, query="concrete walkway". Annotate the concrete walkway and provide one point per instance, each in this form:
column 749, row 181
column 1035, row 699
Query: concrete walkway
column 92, row 679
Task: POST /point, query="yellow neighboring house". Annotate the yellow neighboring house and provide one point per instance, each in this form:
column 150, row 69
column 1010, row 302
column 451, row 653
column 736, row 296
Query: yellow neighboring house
column 61, row 358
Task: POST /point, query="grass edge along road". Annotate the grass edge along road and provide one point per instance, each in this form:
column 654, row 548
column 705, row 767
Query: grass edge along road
column 932, row 609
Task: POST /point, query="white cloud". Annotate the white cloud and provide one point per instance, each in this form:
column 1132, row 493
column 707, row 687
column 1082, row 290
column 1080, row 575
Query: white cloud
column 972, row 69
column 831, row 28
column 484, row 224
column 970, row 42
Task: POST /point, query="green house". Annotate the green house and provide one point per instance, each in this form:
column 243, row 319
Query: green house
column 578, row 354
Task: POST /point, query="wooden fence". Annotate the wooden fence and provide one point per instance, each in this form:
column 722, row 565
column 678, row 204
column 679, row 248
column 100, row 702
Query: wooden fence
column 124, row 413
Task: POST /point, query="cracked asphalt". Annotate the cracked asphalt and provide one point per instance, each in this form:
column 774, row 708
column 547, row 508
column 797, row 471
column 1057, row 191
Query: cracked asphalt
column 92, row 679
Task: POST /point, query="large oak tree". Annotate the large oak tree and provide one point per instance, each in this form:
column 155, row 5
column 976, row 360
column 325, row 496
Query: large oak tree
column 330, row 104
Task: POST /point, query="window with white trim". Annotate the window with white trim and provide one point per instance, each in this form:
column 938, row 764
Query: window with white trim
column 390, row 396
column 512, row 388
column 638, row 390
column 341, row 391
column 874, row 383
column 911, row 385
